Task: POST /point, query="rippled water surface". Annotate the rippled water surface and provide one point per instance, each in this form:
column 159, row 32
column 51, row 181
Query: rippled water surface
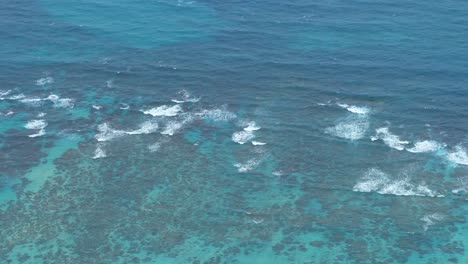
column 176, row 131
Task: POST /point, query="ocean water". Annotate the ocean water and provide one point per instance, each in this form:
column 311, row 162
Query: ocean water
column 178, row 131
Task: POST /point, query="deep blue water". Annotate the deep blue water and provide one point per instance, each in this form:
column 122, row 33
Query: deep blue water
column 205, row 131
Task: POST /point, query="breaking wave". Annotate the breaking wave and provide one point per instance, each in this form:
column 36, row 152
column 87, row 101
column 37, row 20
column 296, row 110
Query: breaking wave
column 389, row 139
column 377, row 181
column 39, row 125
column 163, row 110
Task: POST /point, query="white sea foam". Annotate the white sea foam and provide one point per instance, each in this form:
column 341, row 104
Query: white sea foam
column 221, row 115
column 42, row 114
column 38, row 124
column 163, row 110
column 106, row 133
column 389, row 139
column 431, row 219
column 61, row 102
column 99, row 152
column 242, row 137
column 16, row 97
column 247, row 166
column 353, row 127
column 462, row 185
column 252, row 126
column 110, row 83
column 154, row 147
column 32, row 101
column 124, row 106
column 377, row 181
column 175, row 125
column 44, row 81
column 4, row 93
column 9, row 113
column 458, row 156
column 147, row 127
column 97, row 107
column 362, row 110
column 258, row 143
column 425, row 146
column 184, row 96
column 171, row 128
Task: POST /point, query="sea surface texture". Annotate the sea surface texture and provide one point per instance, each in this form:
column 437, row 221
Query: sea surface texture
column 266, row 131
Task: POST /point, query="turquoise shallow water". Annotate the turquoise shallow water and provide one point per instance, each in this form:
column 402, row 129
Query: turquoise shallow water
column 233, row 132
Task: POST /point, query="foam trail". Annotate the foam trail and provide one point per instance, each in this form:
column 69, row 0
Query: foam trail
column 248, row 166
column 184, row 96
column 163, row 110
column 221, row 115
column 242, row 137
column 389, row 139
column 458, row 156
column 38, row 124
column 258, row 143
column 362, row 110
column 431, row 219
column 44, row 81
column 377, row 181
column 354, row 127
column 425, row 146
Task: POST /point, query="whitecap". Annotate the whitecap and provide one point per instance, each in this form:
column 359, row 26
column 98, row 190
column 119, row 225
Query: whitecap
column 42, row 114
column 458, row 156
column 389, row 139
column 242, row 137
column 124, row 106
column 425, row 146
column 163, row 110
column 44, row 81
column 258, row 143
column 99, row 152
column 247, row 166
column 97, row 107
column 376, row 180
column 38, row 124
column 362, row 110
column 353, row 127
column 9, row 113
column 252, row 126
